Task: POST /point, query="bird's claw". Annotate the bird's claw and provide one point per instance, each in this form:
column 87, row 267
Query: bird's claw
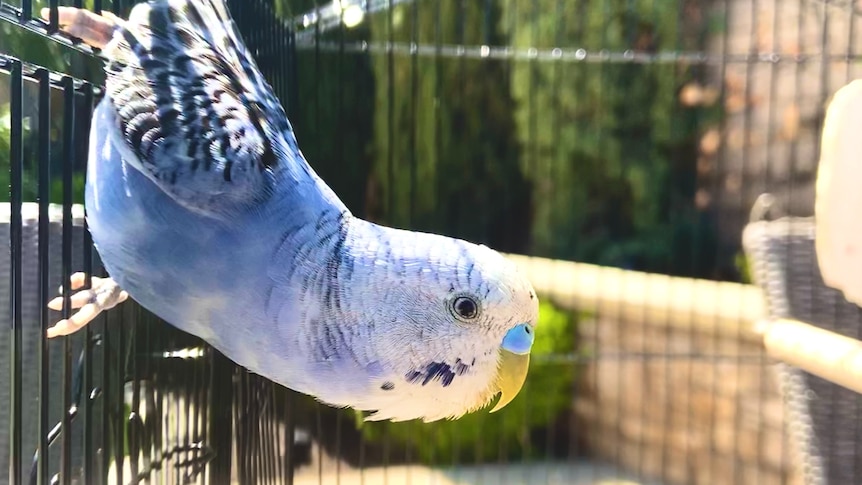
column 104, row 295
column 95, row 29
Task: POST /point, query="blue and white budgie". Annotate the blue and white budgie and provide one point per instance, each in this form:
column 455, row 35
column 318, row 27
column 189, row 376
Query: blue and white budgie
column 204, row 210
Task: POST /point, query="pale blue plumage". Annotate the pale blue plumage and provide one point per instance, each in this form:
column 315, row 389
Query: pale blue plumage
column 203, row 208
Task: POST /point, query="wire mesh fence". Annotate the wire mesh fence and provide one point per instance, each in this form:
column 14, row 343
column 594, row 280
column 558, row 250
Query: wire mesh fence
column 627, row 133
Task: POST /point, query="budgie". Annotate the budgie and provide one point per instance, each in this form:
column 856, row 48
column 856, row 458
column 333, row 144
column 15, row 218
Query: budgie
column 204, row 210
column 838, row 237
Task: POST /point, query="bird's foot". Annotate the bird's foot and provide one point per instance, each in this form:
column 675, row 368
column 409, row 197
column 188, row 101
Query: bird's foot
column 104, row 295
column 94, row 29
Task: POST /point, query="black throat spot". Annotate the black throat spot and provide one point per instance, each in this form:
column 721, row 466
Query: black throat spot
column 438, row 372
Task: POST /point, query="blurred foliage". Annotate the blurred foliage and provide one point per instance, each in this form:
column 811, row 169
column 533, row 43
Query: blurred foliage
column 510, row 433
column 743, row 266
column 445, row 146
column 5, row 137
column 584, row 161
column 333, row 121
column 608, row 144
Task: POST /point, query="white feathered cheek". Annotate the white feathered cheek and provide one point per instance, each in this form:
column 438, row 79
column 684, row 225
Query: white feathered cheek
column 449, row 348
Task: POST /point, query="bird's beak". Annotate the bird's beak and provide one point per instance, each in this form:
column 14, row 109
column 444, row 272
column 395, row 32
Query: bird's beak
column 514, row 363
column 510, row 376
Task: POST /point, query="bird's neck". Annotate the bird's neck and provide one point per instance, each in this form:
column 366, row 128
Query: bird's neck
column 299, row 186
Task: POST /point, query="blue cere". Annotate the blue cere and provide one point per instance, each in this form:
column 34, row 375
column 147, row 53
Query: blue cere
column 519, row 340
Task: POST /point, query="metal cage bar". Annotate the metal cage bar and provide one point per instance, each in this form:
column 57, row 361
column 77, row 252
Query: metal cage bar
column 120, row 390
column 68, row 149
column 41, row 462
column 16, row 160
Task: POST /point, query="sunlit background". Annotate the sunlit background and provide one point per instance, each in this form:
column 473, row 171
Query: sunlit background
column 632, row 137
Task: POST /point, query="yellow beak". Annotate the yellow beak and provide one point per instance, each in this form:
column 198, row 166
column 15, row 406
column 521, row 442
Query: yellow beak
column 510, row 376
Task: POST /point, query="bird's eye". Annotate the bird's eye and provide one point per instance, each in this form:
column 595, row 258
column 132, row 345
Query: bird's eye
column 465, row 308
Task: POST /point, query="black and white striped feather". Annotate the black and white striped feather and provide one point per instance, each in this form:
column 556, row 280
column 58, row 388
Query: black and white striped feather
column 193, row 107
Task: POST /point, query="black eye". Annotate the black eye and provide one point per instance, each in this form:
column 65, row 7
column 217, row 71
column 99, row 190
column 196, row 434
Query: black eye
column 465, row 308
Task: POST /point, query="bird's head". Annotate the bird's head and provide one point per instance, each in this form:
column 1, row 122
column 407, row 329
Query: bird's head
column 454, row 326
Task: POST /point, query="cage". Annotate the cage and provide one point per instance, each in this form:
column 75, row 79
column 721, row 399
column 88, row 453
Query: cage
column 612, row 148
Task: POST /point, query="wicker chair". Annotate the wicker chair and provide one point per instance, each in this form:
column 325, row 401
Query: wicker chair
column 825, row 418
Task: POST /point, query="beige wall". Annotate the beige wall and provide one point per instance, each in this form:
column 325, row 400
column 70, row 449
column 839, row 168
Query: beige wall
column 686, row 407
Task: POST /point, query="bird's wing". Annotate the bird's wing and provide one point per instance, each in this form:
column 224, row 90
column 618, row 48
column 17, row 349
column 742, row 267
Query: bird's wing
column 193, row 109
